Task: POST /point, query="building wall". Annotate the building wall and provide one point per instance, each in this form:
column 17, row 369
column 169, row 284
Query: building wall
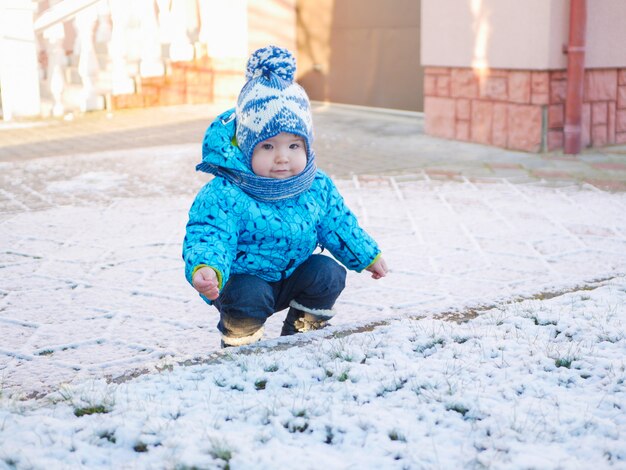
column 606, row 34
column 363, row 52
column 271, row 22
column 496, row 72
column 505, row 34
column 314, row 26
column 229, row 33
column 522, row 109
column 509, row 34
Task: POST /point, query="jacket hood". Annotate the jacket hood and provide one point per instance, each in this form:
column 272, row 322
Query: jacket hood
column 219, row 147
column 222, row 157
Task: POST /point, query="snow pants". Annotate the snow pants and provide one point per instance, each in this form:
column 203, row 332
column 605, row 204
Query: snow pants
column 247, row 301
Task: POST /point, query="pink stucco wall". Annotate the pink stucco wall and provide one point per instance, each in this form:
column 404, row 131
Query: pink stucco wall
column 606, row 34
column 513, row 34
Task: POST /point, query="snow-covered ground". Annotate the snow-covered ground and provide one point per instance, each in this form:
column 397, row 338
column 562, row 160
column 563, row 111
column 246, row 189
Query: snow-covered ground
column 531, row 384
column 91, row 280
column 92, row 287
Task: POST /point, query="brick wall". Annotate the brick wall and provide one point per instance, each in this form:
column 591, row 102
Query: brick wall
column 184, row 83
column 522, row 110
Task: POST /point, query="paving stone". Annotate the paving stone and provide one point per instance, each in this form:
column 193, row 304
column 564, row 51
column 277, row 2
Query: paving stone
column 91, row 280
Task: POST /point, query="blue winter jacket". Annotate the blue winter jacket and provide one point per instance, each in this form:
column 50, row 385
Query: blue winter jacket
column 234, row 233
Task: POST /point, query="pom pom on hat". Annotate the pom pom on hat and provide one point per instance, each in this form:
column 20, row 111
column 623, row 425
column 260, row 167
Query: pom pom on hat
column 271, row 102
column 271, row 59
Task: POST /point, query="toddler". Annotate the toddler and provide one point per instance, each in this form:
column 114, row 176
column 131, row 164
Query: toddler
column 253, row 229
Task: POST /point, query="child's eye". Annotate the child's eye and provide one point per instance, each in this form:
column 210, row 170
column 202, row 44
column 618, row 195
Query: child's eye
column 294, row 146
column 266, row 146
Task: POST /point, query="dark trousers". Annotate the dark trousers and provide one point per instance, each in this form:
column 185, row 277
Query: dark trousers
column 247, row 301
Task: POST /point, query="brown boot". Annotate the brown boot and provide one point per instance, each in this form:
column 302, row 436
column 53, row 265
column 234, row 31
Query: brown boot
column 298, row 321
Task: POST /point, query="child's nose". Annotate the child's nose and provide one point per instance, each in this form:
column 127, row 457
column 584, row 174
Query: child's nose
column 281, row 155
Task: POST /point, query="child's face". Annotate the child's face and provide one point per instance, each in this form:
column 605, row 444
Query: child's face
column 279, row 157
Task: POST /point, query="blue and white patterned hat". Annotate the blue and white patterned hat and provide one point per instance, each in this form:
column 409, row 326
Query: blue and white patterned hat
column 271, row 102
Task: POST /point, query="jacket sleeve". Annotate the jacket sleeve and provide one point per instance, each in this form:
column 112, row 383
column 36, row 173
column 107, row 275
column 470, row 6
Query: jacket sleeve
column 212, row 232
column 340, row 233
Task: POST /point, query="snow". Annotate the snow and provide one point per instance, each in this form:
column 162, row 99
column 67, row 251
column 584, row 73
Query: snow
column 89, row 182
column 498, row 339
column 530, row 384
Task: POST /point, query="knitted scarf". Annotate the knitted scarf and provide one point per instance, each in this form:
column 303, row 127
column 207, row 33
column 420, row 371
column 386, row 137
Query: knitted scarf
column 262, row 188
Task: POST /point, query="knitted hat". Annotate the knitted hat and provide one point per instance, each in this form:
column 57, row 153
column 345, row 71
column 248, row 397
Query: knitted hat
column 271, row 102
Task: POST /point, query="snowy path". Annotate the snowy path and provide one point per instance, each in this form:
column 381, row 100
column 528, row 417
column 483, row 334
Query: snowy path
column 91, row 279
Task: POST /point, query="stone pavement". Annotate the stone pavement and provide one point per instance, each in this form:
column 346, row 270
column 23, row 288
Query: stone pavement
column 350, row 140
column 92, row 214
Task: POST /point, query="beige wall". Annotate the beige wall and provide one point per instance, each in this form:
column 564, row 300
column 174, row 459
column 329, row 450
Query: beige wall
column 363, row 52
column 239, row 27
column 315, row 19
column 606, row 34
column 514, row 34
column 271, row 22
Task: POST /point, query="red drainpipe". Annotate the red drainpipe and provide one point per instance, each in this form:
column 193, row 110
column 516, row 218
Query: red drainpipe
column 575, row 76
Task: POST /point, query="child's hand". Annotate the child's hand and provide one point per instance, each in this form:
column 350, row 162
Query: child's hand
column 205, row 282
column 378, row 269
